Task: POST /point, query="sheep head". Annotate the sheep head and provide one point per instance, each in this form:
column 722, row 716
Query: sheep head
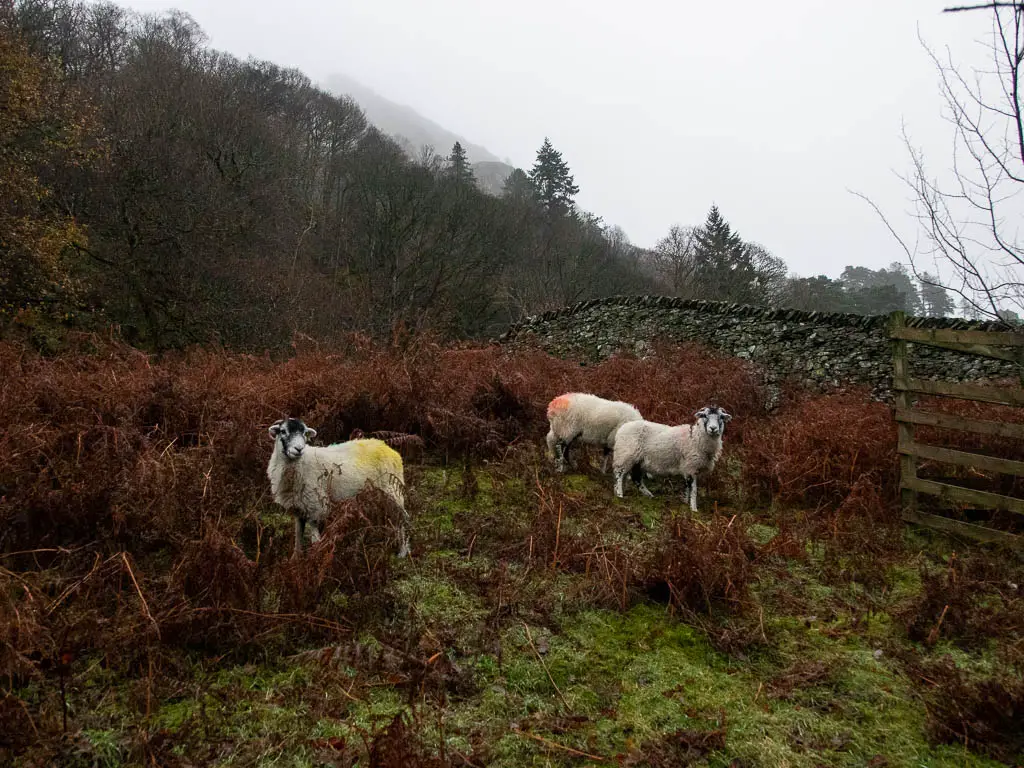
column 712, row 419
column 292, row 435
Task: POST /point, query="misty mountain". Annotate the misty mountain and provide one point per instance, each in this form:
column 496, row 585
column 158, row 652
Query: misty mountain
column 413, row 131
column 491, row 175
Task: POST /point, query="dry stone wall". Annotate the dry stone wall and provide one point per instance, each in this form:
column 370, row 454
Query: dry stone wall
column 820, row 349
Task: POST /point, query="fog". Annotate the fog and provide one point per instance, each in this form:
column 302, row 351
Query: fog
column 774, row 112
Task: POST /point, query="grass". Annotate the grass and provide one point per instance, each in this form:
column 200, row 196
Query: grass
column 587, row 681
column 149, row 594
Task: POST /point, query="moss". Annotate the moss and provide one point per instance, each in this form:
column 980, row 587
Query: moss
column 437, row 601
column 173, row 715
column 627, row 677
column 640, row 674
column 105, row 747
column 762, row 533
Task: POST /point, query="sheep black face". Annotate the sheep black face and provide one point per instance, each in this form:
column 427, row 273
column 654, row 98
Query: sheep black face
column 293, row 434
column 713, row 419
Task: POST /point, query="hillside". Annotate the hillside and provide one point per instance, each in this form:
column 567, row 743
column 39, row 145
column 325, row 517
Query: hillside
column 490, row 176
column 413, row 130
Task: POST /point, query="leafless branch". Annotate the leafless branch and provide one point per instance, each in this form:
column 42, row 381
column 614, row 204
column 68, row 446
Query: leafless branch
column 966, row 219
column 981, row 7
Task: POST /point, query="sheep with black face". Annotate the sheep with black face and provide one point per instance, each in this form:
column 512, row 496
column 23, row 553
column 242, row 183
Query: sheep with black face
column 304, row 479
column 645, row 447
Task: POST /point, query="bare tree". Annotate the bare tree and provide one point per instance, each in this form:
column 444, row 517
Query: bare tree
column 674, row 260
column 967, row 230
column 770, row 283
column 209, row 179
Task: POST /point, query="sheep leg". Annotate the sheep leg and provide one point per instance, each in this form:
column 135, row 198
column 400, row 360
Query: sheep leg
column 552, row 444
column 637, row 476
column 314, row 532
column 563, row 455
column 620, row 475
column 566, row 455
column 606, row 460
column 300, row 526
column 560, row 449
column 693, row 494
column 403, row 534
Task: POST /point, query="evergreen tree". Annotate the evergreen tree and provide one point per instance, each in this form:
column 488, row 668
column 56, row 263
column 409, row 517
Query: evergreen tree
column 879, row 300
column 874, row 292
column 723, row 269
column 552, row 180
column 518, row 186
column 817, row 294
column 936, row 299
column 458, row 165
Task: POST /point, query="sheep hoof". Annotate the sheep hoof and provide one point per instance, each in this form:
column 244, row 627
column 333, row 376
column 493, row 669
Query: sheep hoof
column 646, row 492
column 403, row 552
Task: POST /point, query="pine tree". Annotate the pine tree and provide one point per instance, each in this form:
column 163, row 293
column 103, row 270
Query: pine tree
column 817, row 294
column 876, row 292
column 936, row 299
column 552, row 180
column 518, row 186
column 458, row 165
column 723, row 269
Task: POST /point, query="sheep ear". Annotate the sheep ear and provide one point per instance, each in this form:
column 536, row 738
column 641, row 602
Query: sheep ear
column 275, row 429
column 725, row 416
column 310, row 433
column 701, row 414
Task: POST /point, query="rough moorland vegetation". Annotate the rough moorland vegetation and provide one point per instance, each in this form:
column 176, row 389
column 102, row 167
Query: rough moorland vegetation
column 151, row 610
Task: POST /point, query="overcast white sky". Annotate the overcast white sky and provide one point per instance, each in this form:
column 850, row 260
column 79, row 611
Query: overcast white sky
column 771, row 110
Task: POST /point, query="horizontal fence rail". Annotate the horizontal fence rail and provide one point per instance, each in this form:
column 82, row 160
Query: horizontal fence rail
column 962, row 391
column 962, row 423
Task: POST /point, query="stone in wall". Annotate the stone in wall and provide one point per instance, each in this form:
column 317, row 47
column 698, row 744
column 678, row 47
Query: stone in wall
column 821, row 350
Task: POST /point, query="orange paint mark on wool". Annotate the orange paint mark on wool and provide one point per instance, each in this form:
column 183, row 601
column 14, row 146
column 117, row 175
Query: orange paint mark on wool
column 559, row 404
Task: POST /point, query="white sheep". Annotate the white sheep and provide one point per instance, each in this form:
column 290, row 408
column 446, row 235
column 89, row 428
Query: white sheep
column 304, row 478
column 644, row 447
column 589, row 419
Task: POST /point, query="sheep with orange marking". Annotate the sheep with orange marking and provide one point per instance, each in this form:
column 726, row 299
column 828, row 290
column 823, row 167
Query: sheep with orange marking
column 304, row 479
column 577, row 416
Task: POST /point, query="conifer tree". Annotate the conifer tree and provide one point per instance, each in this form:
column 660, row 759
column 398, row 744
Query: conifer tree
column 552, row 180
column 518, row 186
column 723, row 269
column 458, row 165
column 936, row 299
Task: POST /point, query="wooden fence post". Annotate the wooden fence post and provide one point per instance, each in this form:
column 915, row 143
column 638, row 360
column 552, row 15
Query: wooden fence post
column 904, row 431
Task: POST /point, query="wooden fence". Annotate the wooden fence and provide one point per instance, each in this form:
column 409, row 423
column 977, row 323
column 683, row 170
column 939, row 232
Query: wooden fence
column 999, row 345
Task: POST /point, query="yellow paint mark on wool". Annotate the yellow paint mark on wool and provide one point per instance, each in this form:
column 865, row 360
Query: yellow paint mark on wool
column 370, row 453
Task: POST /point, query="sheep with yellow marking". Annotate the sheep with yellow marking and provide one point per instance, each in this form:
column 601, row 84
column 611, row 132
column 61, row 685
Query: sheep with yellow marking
column 304, row 479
